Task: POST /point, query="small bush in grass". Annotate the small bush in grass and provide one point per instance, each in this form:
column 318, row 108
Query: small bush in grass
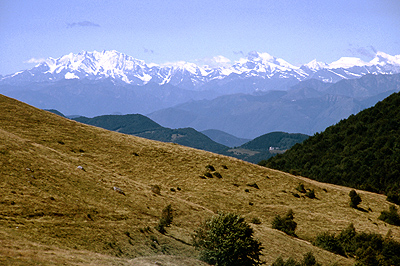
column 285, row 224
column 355, row 199
column 254, row 185
column 209, row 175
column 300, row 188
column 310, row 194
column 218, row 175
column 166, row 219
column 210, row 168
column 308, row 260
column 391, row 216
column 255, row 220
column 156, row 189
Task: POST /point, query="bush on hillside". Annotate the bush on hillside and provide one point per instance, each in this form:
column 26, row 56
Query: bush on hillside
column 308, row 260
column 366, row 248
column 165, row 219
column 210, row 168
column 310, row 194
column 227, row 240
column 329, row 242
column 300, row 188
column 355, row 199
column 285, row 224
column 394, row 197
column 391, row 216
column 218, row 175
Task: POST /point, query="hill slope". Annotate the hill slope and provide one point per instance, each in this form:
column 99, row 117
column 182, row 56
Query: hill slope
column 142, row 126
column 265, row 146
column 58, row 205
column 362, row 151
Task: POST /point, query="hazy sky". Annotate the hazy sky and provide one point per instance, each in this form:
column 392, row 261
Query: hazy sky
column 161, row 31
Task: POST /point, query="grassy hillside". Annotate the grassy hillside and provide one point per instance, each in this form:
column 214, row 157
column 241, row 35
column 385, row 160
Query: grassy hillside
column 362, row 151
column 142, row 126
column 58, row 205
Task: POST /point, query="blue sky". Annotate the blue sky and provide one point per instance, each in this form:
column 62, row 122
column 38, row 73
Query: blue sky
column 160, row 31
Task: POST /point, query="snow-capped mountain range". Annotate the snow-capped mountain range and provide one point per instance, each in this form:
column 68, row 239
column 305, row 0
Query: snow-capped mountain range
column 122, row 68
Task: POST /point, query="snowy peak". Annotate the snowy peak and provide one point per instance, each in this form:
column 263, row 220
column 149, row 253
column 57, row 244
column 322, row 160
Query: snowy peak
column 314, row 65
column 266, row 65
column 382, row 58
column 122, row 68
column 347, row 62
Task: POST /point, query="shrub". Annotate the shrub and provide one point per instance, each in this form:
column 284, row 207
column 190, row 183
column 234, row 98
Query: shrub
column 367, row 248
column 226, row 239
column 218, row 175
column 209, row 175
column 393, row 197
column 310, row 194
column 391, row 216
column 165, row 219
column 355, row 199
column 210, row 168
column 285, row 224
column 254, row 185
column 308, row 260
column 255, row 220
column 300, row 188
column 329, row 242
column 156, row 189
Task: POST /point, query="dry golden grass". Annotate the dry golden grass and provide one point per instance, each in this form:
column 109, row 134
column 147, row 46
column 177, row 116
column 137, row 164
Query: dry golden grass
column 52, row 212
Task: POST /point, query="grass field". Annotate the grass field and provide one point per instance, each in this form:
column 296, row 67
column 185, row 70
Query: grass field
column 58, row 206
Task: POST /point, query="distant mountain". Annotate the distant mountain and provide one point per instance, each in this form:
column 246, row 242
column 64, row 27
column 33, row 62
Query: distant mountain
column 142, row 126
column 265, row 146
column 224, row 138
column 55, row 112
column 361, row 151
column 309, row 107
column 126, row 69
column 128, row 124
column 108, row 82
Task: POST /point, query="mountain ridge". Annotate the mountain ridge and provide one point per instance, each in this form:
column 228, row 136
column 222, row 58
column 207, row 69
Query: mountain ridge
column 309, row 107
column 127, row 69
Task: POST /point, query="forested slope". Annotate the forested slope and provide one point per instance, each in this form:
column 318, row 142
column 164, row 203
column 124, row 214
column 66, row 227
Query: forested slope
column 362, row 151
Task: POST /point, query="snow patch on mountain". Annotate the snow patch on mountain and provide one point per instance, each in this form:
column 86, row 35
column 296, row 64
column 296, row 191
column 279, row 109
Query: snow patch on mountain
column 347, row 62
column 127, row 69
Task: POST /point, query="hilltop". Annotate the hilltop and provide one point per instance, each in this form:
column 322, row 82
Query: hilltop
column 265, row 146
column 58, row 205
column 142, row 126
